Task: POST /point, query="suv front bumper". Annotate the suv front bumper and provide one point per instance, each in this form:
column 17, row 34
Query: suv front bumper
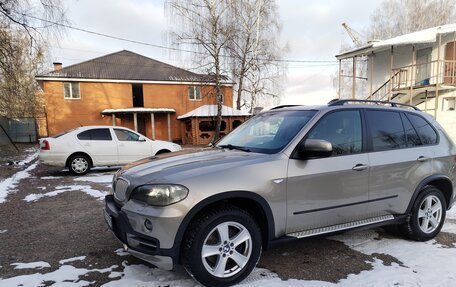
column 137, row 244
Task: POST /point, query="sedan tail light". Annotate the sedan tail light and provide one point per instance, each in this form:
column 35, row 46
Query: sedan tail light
column 45, row 145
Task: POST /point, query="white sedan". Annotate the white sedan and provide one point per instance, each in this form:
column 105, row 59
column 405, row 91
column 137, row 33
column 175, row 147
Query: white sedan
column 85, row 147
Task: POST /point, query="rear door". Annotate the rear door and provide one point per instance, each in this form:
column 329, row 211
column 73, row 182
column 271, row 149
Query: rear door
column 400, row 158
column 331, row 190
column 131, row 148
column 99, row 144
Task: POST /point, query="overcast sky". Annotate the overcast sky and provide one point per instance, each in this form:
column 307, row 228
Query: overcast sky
column 311, row 29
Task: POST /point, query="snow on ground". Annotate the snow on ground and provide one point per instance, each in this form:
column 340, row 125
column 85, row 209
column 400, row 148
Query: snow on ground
column 79, row 258
column 97, row 178
column 31, row 265
column 51, row 177
column 3, row 231
column 65, row 276
column 66, row 188
column 8, row 185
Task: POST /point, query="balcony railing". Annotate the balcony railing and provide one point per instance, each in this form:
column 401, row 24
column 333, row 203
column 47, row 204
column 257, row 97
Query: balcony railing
column 417, row 76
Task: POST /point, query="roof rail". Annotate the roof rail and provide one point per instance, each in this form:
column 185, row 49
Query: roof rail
column 392, row 104
column 284, row 106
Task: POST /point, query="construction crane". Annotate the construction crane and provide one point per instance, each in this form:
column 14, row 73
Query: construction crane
column 355, row 36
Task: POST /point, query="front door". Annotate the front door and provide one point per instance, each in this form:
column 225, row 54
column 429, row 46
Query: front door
column 332, row 190
column 131, row 148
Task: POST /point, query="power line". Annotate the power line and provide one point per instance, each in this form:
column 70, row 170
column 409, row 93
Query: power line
column 159, row 46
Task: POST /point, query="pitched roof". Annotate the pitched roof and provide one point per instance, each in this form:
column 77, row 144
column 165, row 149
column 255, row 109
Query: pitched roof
column 211, row 111
column 419, row 37
column 128, row 66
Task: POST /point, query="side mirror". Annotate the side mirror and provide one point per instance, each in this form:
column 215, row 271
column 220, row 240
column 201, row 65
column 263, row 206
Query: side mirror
column 314, row 148
column 141, row 139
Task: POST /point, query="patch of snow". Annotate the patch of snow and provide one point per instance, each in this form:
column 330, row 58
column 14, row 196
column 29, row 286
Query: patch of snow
column 50, row 177
column 79, row 258
column 29, row 158
column 421, row 259
column 66, row 275
column 3, row 231
column 8, row 185
column 121, row 252
column 101, row 178
column 61, row 189
column 31, row 265
column 451, row 213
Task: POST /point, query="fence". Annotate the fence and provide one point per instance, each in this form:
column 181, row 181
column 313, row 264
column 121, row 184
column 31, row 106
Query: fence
column 22, row 130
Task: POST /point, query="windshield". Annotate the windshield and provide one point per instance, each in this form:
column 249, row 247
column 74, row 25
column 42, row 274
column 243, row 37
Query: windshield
column 267, row 133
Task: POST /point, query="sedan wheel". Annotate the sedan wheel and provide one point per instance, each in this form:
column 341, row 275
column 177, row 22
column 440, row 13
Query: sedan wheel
column 79, row 164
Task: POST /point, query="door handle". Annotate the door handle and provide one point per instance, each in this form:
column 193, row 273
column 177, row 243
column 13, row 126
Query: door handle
column 422, row 158
column 360, row 167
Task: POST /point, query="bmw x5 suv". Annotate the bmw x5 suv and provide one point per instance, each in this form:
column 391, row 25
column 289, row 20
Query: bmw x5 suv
column 290, row 172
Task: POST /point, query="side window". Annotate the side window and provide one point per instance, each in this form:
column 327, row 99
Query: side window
column 386, row 130
column 194, row 93
column 124, row 135
column 85, row 136
column 96, row 135
column 71, row 90
column 342, row 129
column 411, row 136
column 426, row 133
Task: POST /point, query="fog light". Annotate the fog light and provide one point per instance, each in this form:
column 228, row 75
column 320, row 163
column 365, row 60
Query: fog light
column 148, row 225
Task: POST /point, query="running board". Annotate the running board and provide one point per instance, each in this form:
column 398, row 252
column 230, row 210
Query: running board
column 339, row 227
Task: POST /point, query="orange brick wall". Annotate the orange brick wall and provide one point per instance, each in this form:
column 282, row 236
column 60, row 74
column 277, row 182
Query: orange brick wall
column 64, row 114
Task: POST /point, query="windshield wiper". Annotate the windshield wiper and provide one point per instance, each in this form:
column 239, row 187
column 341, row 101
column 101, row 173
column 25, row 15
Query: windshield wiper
column 230, row 146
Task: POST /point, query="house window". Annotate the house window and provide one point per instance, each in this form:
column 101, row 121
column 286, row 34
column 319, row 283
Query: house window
column 71, row 91
column 194, row 93
column 449, row 104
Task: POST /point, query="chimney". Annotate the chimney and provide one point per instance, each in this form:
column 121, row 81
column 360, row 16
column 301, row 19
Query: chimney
column 57, row 66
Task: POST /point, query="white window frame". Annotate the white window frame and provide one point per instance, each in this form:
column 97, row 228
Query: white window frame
column 196, row 92
column 71, row 97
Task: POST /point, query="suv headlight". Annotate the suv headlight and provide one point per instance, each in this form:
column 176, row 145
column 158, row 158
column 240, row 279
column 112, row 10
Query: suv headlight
column 160, row 194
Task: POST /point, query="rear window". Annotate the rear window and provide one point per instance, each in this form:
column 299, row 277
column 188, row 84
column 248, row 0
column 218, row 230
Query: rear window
column 386, row 130
column 95, row 135
column 426, row 133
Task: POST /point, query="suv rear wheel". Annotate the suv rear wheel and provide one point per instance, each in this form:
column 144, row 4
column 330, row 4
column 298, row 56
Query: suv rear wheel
column 427, row 217
column 222, row 246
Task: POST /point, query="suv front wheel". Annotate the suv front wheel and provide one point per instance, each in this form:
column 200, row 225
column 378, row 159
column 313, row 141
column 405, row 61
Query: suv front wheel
column 428, row 215
column 222, row 246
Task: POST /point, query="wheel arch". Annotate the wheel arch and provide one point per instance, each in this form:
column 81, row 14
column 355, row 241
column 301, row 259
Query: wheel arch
column 67, row 162
column 440, row 181
column 251, row 202
column 162, row 151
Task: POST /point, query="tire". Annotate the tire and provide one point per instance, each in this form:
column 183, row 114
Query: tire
column 215, row 232
column 427, row 215
column 79, row 164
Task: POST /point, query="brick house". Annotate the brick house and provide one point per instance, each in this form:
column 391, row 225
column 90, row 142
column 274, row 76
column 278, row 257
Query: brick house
column 126, row 89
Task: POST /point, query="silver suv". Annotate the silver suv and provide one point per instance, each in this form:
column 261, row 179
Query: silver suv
column 290, row 172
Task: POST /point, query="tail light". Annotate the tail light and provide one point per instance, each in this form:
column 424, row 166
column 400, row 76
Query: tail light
column 45, row 145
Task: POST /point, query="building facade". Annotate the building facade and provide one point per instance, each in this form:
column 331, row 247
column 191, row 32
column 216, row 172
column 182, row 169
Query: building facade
column 417, row 68
column 126, row 89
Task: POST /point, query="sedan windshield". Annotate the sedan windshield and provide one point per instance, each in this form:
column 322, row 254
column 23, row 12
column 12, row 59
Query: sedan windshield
column 267, row 133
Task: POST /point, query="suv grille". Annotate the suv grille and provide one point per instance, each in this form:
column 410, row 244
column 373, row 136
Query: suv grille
column 120, row 190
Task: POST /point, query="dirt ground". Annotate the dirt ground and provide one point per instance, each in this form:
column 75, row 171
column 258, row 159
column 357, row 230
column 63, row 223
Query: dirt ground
column 71, row 224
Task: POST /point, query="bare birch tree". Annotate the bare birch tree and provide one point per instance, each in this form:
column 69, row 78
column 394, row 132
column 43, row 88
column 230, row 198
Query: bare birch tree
column 25, row 27
column 204, row 26
column 254, row 50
